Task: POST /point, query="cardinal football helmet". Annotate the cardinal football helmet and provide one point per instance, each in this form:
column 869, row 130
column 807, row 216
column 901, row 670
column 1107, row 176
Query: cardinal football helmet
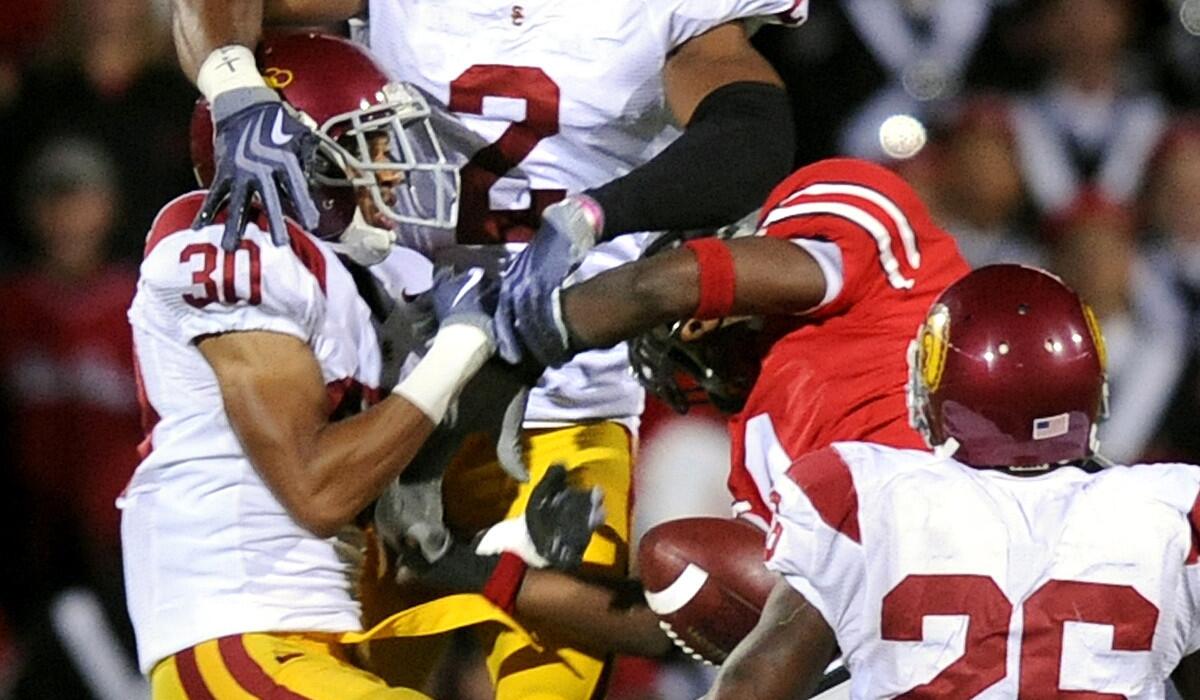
column 347, row 100
column 1008, row 370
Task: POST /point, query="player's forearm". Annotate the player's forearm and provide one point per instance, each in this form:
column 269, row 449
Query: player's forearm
column 739, row 146
column 791, row 635
column 353, row 459
column 598, row 618
column 202, row 26
column 761, row 276
column 738, row 142
column 631, row 299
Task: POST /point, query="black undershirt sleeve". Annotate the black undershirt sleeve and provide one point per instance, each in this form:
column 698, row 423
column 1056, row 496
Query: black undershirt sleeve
column 739, row 144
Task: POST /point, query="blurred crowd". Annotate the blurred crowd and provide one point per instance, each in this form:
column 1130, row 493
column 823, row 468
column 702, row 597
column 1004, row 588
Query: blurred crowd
column 1062, row 133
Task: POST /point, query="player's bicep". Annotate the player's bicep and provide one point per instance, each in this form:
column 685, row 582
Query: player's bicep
column 716, row 58
column 274, row 396
column 791, row 634
column 309, row 12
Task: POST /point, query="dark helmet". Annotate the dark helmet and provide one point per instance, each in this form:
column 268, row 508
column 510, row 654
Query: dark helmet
column 339, row 91
column 1008, row 370
column 719, row 367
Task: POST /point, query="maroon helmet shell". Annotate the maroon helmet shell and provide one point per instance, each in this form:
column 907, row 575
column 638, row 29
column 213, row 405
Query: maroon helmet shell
column 344, row 96
column 1010, row 364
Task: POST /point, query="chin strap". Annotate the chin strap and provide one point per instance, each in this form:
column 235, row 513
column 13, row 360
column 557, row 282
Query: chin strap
column 947, row 449
column 363, row 243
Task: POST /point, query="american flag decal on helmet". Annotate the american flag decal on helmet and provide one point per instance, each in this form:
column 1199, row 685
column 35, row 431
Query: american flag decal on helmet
column 1046, row 428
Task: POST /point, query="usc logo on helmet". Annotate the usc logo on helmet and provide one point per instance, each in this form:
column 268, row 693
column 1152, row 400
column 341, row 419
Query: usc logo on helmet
column 934, row 343
column 278, row 78
column 1093, row 325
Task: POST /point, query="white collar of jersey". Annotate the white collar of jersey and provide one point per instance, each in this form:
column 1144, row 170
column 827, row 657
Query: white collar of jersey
column 363, row 243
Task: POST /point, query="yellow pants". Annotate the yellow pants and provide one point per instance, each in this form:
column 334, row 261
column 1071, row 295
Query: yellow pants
column 274, row 666
column 479, row 494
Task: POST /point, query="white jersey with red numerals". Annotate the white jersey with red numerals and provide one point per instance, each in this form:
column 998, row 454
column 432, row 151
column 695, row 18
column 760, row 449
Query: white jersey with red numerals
column 943, row 581
column 561, row 96
column 209, row 550
column 837, row 372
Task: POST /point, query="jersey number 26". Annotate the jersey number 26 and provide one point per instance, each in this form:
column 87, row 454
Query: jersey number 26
column 1046, row 612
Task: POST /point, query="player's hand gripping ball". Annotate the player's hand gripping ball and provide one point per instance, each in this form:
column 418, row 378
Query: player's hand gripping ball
column 705, row 579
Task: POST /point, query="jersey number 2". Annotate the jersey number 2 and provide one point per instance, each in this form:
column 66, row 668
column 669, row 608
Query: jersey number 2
column 207, row 255
column 985, row 649
column 477, row 222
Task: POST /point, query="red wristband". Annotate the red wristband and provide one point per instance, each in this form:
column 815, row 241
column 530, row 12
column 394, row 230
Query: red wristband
column 505, row 582
column 717, row 277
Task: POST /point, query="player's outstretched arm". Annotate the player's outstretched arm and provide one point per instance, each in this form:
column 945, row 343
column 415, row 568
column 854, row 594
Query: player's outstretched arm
column 707, row 279
column 325, row 473
column 738, row 141
column 785, row 655
column 595, row 617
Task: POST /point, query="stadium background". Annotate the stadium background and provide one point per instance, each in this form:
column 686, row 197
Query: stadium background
column 93, row 118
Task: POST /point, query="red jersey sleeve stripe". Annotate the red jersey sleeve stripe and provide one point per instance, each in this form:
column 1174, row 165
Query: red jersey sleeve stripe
column 309, row 254
column 175, row 217
column 249, row 675
column 826, row 481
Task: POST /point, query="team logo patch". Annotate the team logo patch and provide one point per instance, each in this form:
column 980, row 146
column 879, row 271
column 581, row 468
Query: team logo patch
column 935, row 342
column 278, row 78
column 1093, row 325
column 1046, row 428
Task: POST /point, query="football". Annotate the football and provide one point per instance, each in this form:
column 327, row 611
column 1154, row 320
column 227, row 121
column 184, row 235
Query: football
column 705, row 579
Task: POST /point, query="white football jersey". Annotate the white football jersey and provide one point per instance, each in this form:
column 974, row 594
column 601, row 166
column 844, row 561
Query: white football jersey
column 956, row 582
column 208, row 549
column 559, row 96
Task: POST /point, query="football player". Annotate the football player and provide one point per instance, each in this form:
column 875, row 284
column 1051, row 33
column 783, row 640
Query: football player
column 570, row 105
column 846, row 262
column 268, row 424
column 1044, row 573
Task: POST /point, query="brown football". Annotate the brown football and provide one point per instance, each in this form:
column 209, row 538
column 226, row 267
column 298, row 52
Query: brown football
column 705, row 579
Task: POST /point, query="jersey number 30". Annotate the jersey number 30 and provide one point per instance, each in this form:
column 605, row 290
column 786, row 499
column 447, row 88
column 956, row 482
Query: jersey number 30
column 985, row 653
column 204, row 257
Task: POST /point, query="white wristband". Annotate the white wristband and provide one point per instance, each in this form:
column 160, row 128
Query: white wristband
column 228, row 68
column 457, row 353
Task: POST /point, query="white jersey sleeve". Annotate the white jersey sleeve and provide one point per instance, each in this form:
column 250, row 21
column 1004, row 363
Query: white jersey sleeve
column 814, row 541
column 687, row 19
column 190, row 287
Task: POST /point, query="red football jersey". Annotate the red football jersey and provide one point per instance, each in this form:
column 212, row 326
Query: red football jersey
column 67, row 358
column 838, row 372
